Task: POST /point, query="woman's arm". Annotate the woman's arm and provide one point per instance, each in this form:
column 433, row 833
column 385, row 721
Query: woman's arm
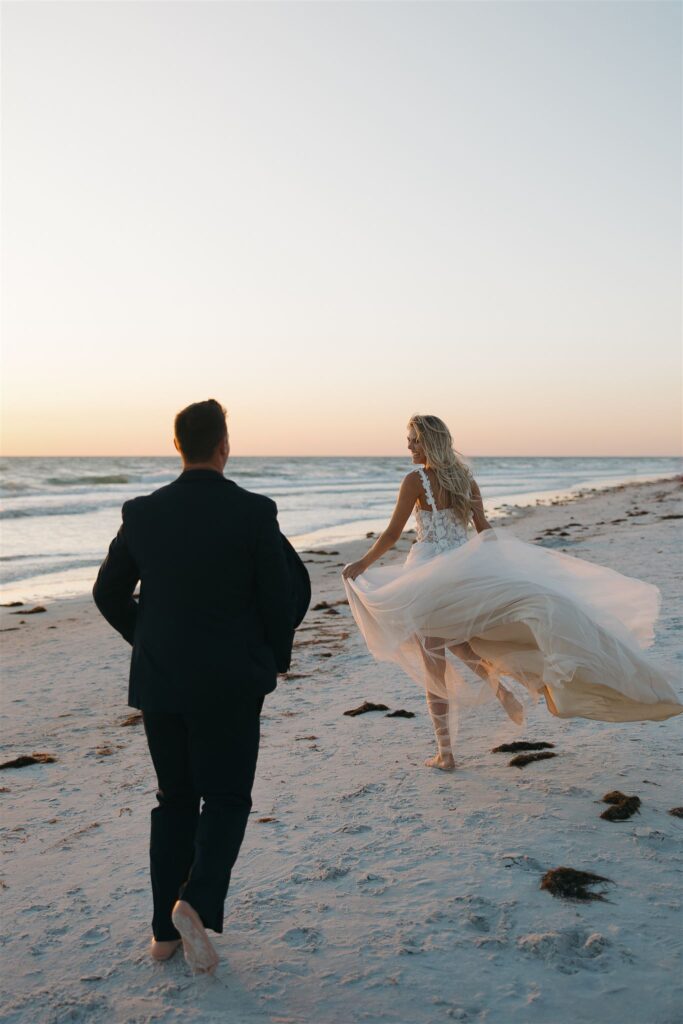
column 480, row 521
column 407, row 496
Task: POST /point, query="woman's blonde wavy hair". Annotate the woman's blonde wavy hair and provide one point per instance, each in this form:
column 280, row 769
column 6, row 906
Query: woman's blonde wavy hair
column 452, row 473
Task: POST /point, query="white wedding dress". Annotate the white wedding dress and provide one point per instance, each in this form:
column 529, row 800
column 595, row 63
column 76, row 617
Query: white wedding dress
column 561, row 627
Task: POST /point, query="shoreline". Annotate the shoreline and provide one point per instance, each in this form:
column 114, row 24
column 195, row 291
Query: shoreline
column 51, row 588
column 368, row 887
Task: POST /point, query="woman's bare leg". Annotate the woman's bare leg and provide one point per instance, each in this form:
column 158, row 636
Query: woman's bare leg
column 467, row 655
column 438, row 711
column 438, row 708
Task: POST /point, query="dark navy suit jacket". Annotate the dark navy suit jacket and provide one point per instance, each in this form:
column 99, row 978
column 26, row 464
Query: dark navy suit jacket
column 221, row 592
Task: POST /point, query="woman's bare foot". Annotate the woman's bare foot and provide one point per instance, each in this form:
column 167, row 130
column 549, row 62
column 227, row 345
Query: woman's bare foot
column 163, row 949
column 513, row 707
column 197, row 947
column 445, row 762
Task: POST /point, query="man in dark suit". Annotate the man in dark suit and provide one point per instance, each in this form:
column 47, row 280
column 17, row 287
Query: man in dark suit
column 221, row 592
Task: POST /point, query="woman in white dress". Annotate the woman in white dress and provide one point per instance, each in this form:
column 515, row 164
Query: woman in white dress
column 564, row 628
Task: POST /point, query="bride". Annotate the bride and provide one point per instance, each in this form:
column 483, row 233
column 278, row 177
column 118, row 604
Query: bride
column 564, row 628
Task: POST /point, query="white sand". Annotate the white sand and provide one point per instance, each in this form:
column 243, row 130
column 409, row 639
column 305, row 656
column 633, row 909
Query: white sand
column 382, row 891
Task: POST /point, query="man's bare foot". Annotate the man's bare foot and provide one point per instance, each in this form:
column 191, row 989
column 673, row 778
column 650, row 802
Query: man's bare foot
column 163, row 949
column 197, row 946
column 445, row 762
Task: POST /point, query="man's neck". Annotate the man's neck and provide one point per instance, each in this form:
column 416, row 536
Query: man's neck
column 203, row 465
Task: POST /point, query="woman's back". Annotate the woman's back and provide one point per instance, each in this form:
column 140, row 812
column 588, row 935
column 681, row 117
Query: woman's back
column 441, row 527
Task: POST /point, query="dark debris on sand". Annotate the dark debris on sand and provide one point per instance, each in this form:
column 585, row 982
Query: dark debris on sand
column 623, row 807
column 622, row 811
column 613, row 797
column 400, row 713
column 677, row 812
column 12, row 604
column 132, row 720
column 570, row 884
column 523, row 759
column 31, row 611
column 366, row 706
column 26, row 759
column 327, row 604
column 512, row 748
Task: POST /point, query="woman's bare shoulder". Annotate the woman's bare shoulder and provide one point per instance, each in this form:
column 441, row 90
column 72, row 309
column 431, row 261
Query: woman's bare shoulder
column 412, row 482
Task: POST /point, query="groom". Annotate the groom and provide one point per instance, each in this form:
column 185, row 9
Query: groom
column 221, row 592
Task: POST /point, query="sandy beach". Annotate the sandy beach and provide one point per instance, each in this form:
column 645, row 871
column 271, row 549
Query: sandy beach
column 369, row 888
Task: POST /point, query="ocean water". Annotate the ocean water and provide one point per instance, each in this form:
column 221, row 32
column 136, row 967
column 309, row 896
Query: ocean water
column 58, row 515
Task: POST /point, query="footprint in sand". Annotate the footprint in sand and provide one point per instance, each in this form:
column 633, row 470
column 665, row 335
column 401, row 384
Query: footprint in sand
column 656, row 841
column 369, row 787
column 523, row 861
column 320, row 872
column 36, row 908
column 373, row 885
column 479, row 922
column 569, row 950
column 478, row 914
column 95, row 936
column 305, row 939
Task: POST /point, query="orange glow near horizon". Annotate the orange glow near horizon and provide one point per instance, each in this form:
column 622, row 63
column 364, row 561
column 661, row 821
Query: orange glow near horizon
column 149, row 432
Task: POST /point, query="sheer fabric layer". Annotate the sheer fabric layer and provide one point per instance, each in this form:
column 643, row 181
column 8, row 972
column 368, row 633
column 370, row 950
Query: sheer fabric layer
column 559, row 626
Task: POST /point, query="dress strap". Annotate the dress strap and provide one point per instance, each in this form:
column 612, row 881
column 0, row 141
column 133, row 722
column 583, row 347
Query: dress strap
column 427, row 487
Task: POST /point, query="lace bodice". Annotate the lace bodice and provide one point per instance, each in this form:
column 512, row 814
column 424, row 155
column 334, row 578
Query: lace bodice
column 437, row 526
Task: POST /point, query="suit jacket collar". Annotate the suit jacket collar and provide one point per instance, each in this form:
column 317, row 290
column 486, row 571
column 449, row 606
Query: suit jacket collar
column 193, row 475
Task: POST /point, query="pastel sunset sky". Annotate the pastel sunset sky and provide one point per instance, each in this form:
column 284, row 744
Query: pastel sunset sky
column 332, row 215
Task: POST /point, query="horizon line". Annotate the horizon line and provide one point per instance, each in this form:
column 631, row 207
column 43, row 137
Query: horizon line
column 382, row 455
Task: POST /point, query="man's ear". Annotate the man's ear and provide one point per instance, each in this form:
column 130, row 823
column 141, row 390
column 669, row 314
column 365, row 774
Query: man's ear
column 176, row 445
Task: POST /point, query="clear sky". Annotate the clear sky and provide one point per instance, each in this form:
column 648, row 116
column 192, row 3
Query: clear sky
column 332, row 215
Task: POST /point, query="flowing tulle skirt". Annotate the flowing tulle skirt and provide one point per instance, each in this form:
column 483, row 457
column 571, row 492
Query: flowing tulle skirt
column 559, row 626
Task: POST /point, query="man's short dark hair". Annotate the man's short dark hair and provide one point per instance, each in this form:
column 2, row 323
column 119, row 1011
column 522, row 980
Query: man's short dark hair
column 199, row 428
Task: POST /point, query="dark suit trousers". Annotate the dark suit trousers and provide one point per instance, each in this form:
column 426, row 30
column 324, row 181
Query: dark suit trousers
column 211, row 757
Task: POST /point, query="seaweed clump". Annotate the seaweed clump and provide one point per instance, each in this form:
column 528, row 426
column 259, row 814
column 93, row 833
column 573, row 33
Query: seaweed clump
column 570, row 884
column 366, row 706
column 512, row 748
column 26, row 759
column 522, row 759
column 622, row 806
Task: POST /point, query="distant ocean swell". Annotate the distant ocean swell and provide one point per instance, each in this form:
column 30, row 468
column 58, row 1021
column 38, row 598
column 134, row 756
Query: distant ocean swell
column 38, row 511
column 91, row 481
